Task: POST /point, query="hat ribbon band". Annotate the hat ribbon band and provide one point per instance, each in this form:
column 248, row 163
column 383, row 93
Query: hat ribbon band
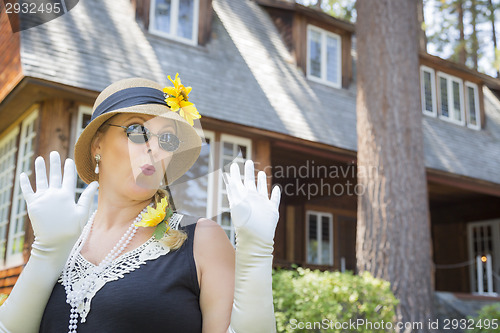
column 129, row 97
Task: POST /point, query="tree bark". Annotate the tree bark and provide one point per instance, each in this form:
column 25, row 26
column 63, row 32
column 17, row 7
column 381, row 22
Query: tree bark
column 474, row 48
column 422, row 38
column 493, row 32
column 393, row 234
column 462, row 52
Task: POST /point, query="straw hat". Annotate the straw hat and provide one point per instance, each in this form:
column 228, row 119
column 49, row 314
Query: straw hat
column 118, row 100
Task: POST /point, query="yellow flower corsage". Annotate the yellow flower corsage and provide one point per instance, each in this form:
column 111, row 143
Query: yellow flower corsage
column 158, row 217
column 177, row 100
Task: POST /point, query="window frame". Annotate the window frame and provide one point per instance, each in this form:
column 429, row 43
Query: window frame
column 6, row 205
column 82, row 111
column 434, row 112
column 319, row 215
column 174, row 23
column 221, row 191
column 475, row 87
column 324, row 34
column 211, row 167
column 449, row 83
column 17, row 259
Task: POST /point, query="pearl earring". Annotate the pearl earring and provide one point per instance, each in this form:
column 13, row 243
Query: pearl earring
column 97, row 160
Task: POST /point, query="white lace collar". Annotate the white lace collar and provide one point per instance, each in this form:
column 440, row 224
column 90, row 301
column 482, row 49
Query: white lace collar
column 97, row 276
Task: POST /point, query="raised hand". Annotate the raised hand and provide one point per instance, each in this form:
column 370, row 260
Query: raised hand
column 252, row 212
column 54, row 215
column 254, row 216
column 57, row 222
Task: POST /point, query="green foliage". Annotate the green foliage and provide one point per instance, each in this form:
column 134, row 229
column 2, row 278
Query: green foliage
column 342, row 9
column 485, row 320
column 309, row 296
column 3, row 297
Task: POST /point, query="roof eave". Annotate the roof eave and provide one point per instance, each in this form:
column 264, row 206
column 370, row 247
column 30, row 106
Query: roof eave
column 308, row 11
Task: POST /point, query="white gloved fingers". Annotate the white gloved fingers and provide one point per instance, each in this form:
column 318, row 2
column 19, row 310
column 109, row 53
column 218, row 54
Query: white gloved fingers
column 226, row 180
column 249, row 177
column 83, row 204
column 235, row 180
column 69, row 176
column 26, row 188
column 262, row 184
column 40, row 174
column 275, row 196
column 88, row 195
column 55, row 170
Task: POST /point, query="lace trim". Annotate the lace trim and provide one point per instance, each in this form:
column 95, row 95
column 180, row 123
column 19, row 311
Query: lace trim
column 98, row 276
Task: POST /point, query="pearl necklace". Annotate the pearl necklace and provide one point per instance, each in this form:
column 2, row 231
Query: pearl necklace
column 76, row 298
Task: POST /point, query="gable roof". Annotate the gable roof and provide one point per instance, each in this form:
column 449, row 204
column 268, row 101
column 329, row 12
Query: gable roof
column 243, row 75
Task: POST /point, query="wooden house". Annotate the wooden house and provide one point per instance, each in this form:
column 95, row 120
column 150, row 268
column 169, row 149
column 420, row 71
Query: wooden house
column 275, row 83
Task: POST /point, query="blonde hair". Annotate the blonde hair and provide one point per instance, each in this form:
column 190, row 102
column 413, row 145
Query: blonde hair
column 173, row 238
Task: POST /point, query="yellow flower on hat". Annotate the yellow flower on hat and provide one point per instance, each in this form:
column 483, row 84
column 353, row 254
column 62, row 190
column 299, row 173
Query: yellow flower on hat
column 154, row 216
column 177, row 99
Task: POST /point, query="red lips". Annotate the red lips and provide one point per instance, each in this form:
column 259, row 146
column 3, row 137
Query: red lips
column 148, row 169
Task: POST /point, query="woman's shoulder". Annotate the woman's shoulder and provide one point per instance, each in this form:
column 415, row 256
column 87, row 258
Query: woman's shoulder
column 208, row 230
column 210, row 239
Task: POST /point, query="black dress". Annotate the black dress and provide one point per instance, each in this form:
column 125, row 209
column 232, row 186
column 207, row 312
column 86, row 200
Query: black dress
column 161, row 295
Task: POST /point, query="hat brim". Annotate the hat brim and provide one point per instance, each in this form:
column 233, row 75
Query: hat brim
column 182, row 160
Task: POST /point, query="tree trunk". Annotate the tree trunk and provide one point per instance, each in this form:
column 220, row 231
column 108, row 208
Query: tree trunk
column 462, row 53
column 493, row 34
column 422, row 38
column 318, row 4
column 393, row 234
column 474, row 49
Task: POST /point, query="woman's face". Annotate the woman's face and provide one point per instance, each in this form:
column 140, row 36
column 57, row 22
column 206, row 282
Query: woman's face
column 135, row 170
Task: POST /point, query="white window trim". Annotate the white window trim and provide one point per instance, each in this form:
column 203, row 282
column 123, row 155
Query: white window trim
column 211, row 166
column 433, row 90
column 220, row 188
column 476, row 98
column 173, row 23
column 323, row 79
column 495, row 225
column 16, row 259
column 318, row 235
column 449, row 83
column 11, row 135
column 83, row 110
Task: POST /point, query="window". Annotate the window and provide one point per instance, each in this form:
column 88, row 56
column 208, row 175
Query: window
column 232, row 149
column 193, row 192
column 84, row 115
column 451, row 100
column 175, row 19
column 472, row 105
column 484, row 239
column 319, row 233
column 14, row 160
column 324, row 56
column 428, row 91
column 8, row 150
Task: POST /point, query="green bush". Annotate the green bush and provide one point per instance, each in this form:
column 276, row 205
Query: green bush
column 3, row 297
column 485, row 320
column 315, row 301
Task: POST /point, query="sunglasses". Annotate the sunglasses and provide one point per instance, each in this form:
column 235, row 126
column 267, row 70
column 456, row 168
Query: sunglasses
column 137, row 133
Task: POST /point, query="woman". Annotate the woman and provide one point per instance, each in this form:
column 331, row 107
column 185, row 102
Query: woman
column 125, row 272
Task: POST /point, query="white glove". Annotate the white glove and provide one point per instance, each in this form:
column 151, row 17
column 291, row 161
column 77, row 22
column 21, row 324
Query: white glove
column 57, row 223
column 254, row 217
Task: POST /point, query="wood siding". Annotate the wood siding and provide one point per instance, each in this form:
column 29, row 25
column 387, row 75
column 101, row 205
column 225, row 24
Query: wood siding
column 10, row 61
column 8, row 278
column 450, row 247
